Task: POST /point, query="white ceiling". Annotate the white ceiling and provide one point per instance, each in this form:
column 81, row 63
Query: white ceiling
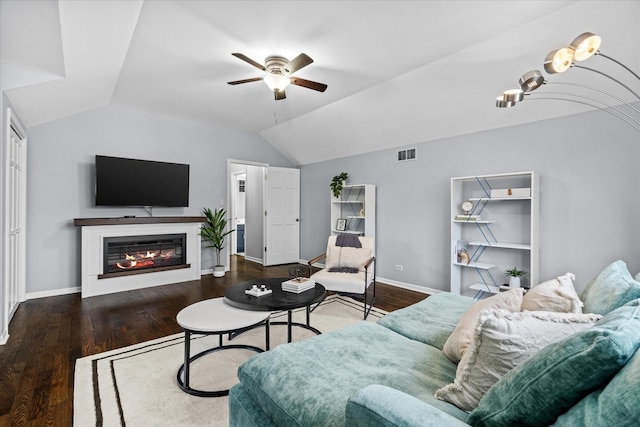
column 399, row 72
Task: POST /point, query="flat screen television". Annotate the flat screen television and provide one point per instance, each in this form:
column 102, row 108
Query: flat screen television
column 133, row 182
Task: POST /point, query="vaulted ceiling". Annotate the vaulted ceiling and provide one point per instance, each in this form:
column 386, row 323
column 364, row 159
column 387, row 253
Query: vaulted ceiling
column 398, row 72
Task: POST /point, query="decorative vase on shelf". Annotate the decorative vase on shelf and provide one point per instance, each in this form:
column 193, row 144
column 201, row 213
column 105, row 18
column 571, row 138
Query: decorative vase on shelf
column 514, row 276
column 514, row 282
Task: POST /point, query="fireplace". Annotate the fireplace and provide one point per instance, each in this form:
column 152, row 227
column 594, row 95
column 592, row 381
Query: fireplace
column 126, row 255
column 138, row 235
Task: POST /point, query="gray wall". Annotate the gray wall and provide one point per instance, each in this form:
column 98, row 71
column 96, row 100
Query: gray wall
column 61, row 178
column 589, row 198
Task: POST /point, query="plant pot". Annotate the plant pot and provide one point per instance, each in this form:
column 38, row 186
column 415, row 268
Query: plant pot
column 218, row 271
column 514, row 282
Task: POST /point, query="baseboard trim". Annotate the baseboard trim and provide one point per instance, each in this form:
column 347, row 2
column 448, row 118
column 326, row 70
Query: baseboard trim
column 409, row 286
column 252, row 259
column 54, row 292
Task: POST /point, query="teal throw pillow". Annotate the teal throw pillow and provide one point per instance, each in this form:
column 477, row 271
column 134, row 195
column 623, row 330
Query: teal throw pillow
column 617, row 404
column 536, row 392
column 611, row 289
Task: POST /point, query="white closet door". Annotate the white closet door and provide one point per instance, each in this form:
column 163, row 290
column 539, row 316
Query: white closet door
column 14, row 214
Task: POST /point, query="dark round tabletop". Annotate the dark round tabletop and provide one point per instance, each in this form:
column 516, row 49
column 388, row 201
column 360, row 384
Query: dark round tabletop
column 277, row 300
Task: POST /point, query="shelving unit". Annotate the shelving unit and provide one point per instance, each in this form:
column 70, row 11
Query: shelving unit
column 505, row 235
column 356, row 205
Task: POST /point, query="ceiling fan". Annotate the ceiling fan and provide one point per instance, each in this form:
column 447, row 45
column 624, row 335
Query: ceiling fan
column 279, row 72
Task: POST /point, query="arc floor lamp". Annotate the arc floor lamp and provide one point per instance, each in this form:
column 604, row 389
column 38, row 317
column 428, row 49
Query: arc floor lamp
column 560, row 60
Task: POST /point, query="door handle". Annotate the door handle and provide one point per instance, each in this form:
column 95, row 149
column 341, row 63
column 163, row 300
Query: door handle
column 297, row 219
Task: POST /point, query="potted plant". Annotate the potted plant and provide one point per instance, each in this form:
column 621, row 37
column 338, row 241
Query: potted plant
column 337, row 183
column 514, row 276
column 213, row 230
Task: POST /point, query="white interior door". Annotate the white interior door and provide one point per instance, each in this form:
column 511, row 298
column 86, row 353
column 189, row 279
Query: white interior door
column 282, row 216
column 14, row 214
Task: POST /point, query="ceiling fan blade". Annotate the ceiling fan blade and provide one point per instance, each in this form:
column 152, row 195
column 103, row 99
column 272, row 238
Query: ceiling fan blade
column 279, row 95
column 237, row 82
column 250, row 61
column 297, row 63
column 320, row 87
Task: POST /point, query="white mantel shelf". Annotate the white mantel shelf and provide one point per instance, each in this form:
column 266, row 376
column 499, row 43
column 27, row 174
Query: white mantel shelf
column 94, row 230
column 84, row 222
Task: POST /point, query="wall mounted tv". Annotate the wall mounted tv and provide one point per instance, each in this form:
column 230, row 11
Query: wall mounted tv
column 132, row 182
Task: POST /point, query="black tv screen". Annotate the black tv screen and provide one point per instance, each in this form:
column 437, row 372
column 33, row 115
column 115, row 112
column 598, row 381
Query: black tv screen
column 132, row 182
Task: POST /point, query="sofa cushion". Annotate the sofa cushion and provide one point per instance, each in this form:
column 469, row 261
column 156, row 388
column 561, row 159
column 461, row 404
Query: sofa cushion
column 309, row 382
column 503, row 340
column 460, row 339
column 558, row 294
column 617, row 404
column 380, row 406
column 429, row 321
column 558, row 376
column 612, row 288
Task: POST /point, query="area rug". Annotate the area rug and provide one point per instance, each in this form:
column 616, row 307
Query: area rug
column 137, row 386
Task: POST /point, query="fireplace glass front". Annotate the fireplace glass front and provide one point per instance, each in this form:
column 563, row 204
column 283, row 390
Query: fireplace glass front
column 133, row 253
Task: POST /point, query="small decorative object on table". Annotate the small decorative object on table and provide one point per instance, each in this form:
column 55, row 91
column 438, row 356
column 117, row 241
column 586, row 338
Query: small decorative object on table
column 299, row 271
column 514, row 276
column 258, row 291
column 298, row 285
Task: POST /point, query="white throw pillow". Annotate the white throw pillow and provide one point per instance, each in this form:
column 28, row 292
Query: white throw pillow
column 502, row 340
column 339, row 256
column 558, row 294
column 460, row 339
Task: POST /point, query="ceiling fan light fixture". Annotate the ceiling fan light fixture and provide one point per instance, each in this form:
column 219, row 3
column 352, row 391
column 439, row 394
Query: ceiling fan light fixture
column 558, row 61
column 585, row 46
column 276, row 82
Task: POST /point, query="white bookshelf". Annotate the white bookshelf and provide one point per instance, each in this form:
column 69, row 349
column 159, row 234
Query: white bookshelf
column 356, row 205
column 505, row 236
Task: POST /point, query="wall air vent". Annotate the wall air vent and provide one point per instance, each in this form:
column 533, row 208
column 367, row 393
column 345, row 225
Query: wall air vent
column 405, row 155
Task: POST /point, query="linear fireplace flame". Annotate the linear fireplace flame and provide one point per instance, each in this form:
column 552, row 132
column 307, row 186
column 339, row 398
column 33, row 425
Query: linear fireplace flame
column 145, row 260
column 129, row 253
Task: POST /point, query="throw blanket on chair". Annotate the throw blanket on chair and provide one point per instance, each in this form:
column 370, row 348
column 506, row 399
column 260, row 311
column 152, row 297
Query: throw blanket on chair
column 348, row 240
column 343, row 270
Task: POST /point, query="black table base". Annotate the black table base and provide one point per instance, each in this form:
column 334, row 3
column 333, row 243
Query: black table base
column 184, row 370
column 278, row 300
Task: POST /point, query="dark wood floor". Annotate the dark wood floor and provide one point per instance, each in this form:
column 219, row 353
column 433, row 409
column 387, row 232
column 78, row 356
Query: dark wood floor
column 47, row 335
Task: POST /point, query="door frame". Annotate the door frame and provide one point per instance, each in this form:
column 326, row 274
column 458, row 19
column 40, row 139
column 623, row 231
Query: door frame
column 14, row 123
column 230, row 210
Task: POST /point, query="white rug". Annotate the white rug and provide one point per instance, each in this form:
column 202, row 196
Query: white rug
column 137, row 386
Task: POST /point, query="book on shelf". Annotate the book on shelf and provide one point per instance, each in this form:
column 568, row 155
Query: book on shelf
column 467, row 218
column 298, row 285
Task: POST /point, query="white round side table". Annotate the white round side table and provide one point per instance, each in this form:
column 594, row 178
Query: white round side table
column 215, row 317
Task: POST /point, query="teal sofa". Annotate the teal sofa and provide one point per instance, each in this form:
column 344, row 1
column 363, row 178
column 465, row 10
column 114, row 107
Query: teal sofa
column 386, row 374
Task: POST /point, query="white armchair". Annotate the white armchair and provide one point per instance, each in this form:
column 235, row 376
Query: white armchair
column 349, row 270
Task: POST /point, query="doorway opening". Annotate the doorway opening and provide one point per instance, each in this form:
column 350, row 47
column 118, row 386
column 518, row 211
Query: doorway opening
column 246, row 209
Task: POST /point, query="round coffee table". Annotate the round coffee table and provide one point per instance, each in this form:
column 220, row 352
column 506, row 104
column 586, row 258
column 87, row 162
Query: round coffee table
column 214, row 316
column 277, row 300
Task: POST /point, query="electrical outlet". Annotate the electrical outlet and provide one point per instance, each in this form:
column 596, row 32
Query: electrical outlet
column 398, row 267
